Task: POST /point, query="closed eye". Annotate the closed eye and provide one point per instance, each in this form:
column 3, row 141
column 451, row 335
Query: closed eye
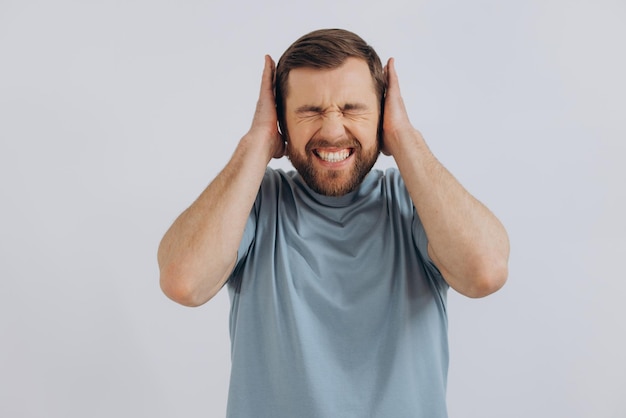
column 308, row 112
column 307, row 109
column 351, row 110
column 355, row 110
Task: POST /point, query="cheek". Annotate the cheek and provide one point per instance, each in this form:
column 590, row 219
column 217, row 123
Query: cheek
column 365, row 132
column 300, row 133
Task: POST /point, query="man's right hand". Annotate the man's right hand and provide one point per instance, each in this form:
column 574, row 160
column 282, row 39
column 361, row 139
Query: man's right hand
column 265, row 123
column 198, row 253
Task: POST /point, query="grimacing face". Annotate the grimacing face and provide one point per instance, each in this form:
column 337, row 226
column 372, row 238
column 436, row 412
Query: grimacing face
column 332, row 118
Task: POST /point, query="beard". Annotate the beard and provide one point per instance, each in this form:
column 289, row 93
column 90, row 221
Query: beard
column 333, row 182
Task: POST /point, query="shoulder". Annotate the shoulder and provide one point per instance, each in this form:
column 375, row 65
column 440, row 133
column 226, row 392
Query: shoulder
column 393, row 177
column 394, row 186
column 274, row 178
column 276, row 185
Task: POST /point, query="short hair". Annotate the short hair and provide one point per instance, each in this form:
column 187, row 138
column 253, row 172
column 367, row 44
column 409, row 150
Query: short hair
column 325, row 49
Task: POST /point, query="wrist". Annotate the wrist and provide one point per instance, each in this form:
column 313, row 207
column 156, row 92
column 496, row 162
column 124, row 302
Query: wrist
column 266, row 141
column 256, row 147
column 397, row 140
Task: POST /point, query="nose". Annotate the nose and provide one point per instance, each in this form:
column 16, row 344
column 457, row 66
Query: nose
column 332, row 125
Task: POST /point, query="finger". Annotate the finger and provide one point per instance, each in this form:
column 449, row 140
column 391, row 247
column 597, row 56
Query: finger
column 267, row 80
column 392, row 76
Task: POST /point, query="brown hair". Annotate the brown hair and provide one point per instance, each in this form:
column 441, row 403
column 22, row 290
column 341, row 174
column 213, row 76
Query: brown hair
column 325, row 49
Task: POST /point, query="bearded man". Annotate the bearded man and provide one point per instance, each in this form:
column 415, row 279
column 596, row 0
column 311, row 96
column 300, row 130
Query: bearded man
column 337, row 272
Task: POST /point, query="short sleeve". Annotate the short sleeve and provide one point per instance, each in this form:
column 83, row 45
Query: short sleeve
column 246, row 240
column 421, row 242
column 248, row 237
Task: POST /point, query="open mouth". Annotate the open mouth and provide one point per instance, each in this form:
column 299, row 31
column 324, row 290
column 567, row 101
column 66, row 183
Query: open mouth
column 334, row 156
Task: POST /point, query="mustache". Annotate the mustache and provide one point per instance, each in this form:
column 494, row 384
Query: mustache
column 324, row 143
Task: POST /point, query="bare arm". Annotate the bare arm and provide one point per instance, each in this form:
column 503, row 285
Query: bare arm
column 466, row 241
column 198, row 252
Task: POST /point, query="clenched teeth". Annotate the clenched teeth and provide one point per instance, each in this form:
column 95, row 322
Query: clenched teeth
column 333, row 157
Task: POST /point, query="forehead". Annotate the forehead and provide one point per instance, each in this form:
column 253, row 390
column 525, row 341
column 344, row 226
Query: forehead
column 352, row 81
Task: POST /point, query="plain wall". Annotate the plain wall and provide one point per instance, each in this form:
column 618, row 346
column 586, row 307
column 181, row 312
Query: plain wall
column 115, row 115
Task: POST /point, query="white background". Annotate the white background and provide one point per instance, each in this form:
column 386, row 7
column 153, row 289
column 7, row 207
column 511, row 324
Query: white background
column 114, row 115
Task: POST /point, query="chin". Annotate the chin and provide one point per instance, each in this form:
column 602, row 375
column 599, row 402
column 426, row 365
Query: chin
column 333, row 183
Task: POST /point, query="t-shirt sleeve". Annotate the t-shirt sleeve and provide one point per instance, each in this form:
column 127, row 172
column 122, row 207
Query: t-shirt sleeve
column 247, row 239
column 420, row 238
column 421, row 242
column 249, row 233
column 410, row 219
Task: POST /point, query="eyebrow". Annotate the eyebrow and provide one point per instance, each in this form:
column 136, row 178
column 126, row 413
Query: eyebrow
column 318, row 109
column 354, row 106
column 309, row 108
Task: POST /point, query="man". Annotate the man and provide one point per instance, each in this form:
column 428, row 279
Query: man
column 337, row 273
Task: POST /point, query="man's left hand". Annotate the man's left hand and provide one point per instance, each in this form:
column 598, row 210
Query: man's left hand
column 396, row 124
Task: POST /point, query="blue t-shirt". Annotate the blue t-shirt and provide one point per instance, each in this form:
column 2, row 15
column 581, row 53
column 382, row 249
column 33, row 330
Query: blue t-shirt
column 336, row 309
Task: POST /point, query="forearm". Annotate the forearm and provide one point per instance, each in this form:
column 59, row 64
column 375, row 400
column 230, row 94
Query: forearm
column 466, row 241
column 198, row 252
